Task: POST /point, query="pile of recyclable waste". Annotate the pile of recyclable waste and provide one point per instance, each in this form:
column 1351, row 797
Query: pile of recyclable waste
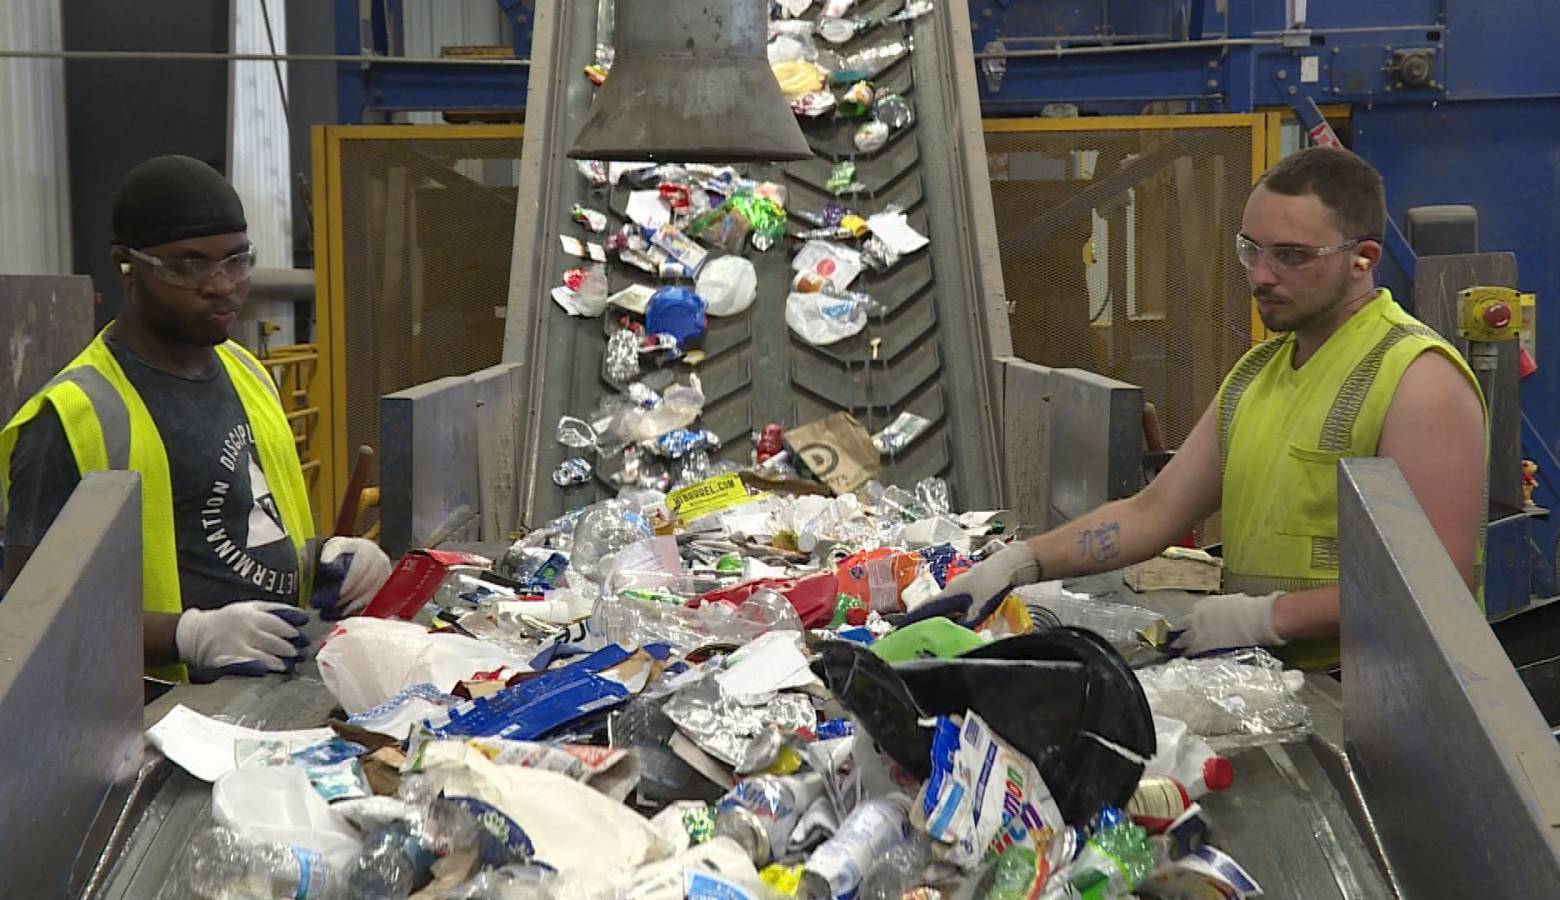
column 625, row 704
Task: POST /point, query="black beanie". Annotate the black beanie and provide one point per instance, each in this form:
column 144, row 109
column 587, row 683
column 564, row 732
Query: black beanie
column 173, row 198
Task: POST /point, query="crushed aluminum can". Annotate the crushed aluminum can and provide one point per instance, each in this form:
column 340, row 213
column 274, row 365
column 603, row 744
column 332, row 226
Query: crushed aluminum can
column 677, row 196
column 857, row 100
column 894, row 111
column 914, row 9
column 876, row 255
column 572, row 471
column 590, row 218
column 898, row 435
column 680, row 443
column 838, row 31
column 871, row 136
column 760, row 813
column 594, row 170
column 644, row 396
column 813, row 104
column 621, row 363
column 842, row 179
column 576, row 433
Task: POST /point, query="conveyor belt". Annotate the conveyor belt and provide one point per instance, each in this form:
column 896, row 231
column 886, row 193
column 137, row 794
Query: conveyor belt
column 944, row 321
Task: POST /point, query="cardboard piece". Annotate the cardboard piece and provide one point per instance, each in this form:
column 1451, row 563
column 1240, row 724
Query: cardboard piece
column 1176, row 569
column 838, row 450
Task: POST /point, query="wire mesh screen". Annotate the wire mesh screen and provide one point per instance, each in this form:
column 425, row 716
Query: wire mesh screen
column 427, row 230
column 1118, row 255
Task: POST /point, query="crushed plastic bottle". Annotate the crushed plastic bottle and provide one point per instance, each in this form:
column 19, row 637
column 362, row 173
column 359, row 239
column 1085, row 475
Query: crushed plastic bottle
column 392, row 860
column 606, row 529
column 899, row 871
column 224, row 865
column 1113, row 863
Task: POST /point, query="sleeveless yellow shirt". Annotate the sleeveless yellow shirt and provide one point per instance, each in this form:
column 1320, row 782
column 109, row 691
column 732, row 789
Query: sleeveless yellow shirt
column 1282, row 432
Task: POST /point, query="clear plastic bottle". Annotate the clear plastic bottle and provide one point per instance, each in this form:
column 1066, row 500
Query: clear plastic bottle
column 899, row 871
column 385, row 869
column 223, row 866
column 1112, row 864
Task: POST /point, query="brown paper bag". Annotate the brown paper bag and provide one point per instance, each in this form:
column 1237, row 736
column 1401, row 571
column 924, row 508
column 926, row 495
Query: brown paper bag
column 838, row 450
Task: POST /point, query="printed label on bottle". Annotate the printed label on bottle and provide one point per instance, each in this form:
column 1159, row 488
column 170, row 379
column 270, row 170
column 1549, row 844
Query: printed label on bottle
column 312, row 874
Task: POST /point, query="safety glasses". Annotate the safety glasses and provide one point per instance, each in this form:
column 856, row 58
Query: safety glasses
column 194, row 271
column 1286, row 257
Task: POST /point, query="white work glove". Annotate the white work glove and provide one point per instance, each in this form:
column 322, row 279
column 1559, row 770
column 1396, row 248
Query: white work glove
column 250, row 637
column 350, row 573
column 972, row 596
column 1224, row 621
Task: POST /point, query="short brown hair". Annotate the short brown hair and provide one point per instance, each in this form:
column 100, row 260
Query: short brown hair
column 1345, row 183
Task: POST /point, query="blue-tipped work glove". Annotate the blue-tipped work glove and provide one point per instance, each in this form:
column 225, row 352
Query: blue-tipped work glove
column 971, row 597
column 251, row 637
column 351, row 571
column 1226, row 621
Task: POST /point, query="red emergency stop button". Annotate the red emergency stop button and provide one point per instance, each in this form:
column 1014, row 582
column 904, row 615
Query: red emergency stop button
column 1497, row 315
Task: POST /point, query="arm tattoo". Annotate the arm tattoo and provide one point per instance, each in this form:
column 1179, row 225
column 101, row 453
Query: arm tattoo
column 1101, row 543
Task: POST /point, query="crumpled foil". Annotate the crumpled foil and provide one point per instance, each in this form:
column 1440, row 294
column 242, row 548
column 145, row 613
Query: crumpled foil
column 622, row 357
column 723, row 727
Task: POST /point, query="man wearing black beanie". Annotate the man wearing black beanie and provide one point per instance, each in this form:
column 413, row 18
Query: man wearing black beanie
column 228, row 547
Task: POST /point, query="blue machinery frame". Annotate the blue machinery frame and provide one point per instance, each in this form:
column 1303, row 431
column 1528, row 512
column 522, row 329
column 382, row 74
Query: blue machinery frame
column 1455, row 101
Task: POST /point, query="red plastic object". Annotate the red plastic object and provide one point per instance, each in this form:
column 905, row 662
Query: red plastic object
column 770, row 442
column 1497, row 315
column 414, row 580
column 812, row 597
column 854, row 578
column 1218, row 774
column 1525, row 363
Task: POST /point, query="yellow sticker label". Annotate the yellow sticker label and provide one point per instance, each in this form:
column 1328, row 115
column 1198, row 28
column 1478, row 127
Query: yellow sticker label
column 708, row 496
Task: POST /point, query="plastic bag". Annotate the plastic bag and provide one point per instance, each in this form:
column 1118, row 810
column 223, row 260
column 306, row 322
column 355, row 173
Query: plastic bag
column 1118, row 623
column 728, row 285
column 821, row 319
column 1242, row 698
column 652, row 416
column 365, row 662
column 835, row 263
column 276, row 804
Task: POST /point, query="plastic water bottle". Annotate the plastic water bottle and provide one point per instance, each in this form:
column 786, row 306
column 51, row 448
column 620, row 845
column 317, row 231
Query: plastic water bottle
column 389, row 865
column 898, row 871
column 224, row 864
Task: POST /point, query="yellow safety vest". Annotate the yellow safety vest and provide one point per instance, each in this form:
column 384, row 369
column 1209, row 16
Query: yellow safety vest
column 108, row 427
column 1282, row 432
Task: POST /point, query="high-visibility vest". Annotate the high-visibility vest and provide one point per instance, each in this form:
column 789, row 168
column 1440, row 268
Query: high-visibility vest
column 1282, row 432
column 108, row 427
